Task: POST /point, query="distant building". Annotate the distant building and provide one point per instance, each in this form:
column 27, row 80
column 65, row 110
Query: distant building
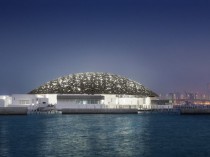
column 161, row 104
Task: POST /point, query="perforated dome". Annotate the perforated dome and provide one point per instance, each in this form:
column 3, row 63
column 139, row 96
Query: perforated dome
column 93, row 83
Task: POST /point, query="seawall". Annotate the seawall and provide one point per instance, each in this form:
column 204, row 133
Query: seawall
column 99, row 111
column 194, row 111
column 13, row 110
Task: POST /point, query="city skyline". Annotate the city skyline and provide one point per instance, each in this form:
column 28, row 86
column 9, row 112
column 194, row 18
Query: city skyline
column 163, row 45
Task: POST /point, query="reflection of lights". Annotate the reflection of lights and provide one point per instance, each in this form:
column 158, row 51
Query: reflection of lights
column 202, row 102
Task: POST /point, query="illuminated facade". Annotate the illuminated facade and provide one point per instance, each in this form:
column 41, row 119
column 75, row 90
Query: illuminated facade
column 97, row 90
column 87, row 90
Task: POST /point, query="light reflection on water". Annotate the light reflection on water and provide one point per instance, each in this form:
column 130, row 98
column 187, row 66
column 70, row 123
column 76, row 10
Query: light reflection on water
column 3, row 140
column 104, row 135
column 92, row 135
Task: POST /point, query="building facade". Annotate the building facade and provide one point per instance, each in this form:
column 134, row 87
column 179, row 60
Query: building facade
column 87, row 90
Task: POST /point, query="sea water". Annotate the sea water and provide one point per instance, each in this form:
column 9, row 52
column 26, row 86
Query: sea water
column 126, row 135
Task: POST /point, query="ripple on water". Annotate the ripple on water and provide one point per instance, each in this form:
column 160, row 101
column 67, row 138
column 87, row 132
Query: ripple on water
column 149, row 135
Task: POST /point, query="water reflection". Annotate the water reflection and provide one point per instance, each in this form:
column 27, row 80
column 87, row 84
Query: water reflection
column 3, row 139
column 76, row 135
column 104, row 135
column 93, row 135
column 20, row 135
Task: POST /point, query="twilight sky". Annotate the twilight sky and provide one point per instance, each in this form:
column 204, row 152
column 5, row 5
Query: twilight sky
column 164, row 44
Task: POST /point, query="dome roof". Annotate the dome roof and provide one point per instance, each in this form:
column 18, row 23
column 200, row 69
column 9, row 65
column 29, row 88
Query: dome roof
column 93, row 83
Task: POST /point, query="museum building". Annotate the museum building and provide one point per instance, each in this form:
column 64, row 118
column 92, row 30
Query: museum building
column 86, row 90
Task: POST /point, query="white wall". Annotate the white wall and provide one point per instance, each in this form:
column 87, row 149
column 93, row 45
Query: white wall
column 33, row 100
column 52, row 98
column 24, row 99
column 81, row 102
column 112, row 101
column 5, row 100
column 62, row 105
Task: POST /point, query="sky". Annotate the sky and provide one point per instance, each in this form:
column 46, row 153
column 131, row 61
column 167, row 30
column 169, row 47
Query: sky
column 164, row 44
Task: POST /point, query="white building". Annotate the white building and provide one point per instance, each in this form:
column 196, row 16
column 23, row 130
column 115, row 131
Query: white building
column 101, row 101
column 87, row 90
column 32, row 101
column 75, row 101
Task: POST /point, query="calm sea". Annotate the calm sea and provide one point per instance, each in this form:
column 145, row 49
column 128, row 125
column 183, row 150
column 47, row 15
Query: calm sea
column 142, row 135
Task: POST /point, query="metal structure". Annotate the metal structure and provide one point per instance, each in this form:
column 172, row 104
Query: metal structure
column 94, row 83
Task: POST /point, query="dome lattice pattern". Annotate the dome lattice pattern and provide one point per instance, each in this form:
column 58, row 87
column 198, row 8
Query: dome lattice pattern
column 93, row 83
